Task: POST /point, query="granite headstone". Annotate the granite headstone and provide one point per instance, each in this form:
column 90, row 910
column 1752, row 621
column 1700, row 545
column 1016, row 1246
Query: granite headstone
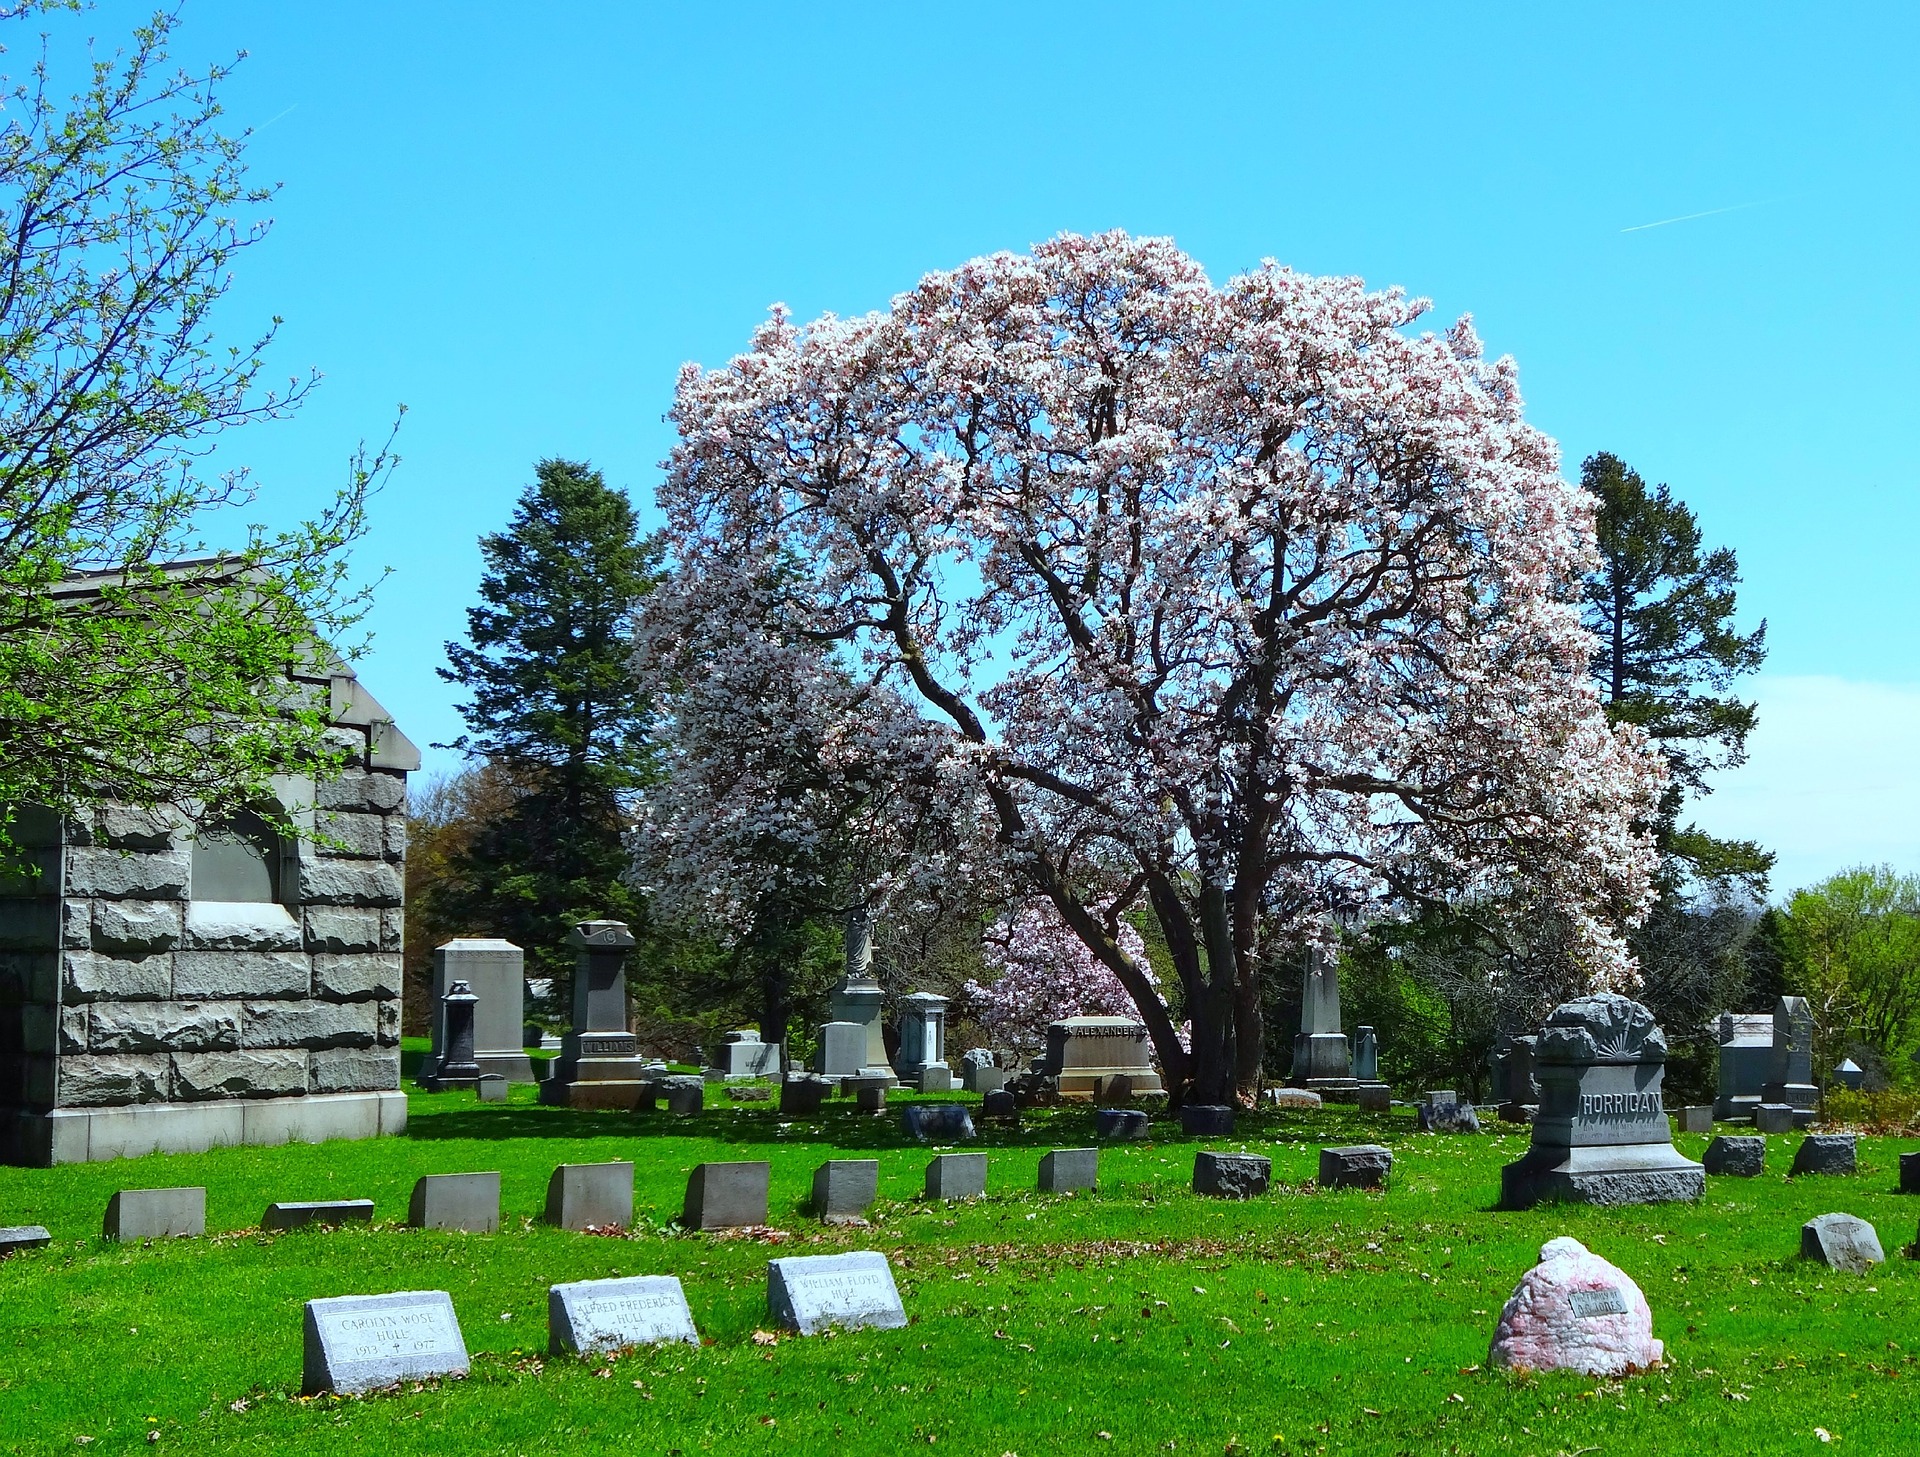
column 593, row 1316
column 809, row 1293
column 367, row 1342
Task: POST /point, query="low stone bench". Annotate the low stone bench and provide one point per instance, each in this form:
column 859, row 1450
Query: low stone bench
column 1355, row 1166
column 1231, row 1175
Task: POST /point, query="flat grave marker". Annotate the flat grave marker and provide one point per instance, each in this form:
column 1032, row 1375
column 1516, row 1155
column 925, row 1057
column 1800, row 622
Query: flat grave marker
column 365, row 1342
column 17, row 1237
column 293, row 1213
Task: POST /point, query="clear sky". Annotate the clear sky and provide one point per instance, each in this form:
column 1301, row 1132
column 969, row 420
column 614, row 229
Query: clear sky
column 1694, row 226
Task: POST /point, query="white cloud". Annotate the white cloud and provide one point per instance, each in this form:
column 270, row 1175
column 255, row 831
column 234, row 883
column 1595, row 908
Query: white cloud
column 1830, row 779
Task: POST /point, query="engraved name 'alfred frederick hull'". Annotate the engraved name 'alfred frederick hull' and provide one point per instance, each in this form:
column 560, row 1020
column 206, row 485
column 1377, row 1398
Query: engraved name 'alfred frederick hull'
column 590, row 1316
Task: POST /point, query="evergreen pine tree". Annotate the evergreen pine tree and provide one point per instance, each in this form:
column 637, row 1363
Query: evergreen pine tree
column 557, row 711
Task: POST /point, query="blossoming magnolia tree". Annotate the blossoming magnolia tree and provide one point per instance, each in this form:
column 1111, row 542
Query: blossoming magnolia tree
column 1044, row 972
column 1243, row 601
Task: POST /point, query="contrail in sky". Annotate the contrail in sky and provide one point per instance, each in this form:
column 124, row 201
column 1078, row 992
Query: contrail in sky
column 1712, row 212
column 265, row 124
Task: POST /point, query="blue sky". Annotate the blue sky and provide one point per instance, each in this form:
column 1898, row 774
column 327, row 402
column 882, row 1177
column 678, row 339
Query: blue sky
column 520, row 220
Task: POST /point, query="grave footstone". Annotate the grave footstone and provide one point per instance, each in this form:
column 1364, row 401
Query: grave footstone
column 1910, row 1173
column 591, row 1196
column 809, row 1293
column 469, row 1203
column 957, row 1176
column 727, row 1196
column 1741, row 1156
column 1575, row 1312
column 1376, row 1098
column 870, row 1097
column 17, row 1237
column 1773, row 1117
column 1355, row 1166
column 356, row 1343
column 1602, row 1135
column 1000, row 1103
column 295, row 1213
column 589, row 1317
column 1119, row 1123
column 156, row 1214
column 802, row 1094
column 491, row 1087
column 844, row 1190
column 1206, row 1120
column 1069, row 1170
column 1697, row 1119
column 1824, row 1153
column 938, row 1122
column 1841, row 1242
column 1231, row 1175
column 686, row 1094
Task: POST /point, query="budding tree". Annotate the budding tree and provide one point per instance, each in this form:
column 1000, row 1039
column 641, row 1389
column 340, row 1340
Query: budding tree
column 1241, row 602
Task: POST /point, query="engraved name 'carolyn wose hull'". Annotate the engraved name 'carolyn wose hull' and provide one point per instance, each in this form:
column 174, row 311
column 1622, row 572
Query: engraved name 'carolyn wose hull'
column 1620, row 1105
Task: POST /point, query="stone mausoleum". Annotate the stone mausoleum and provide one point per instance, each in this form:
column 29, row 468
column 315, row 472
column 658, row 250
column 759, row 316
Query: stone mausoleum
column 167, row 989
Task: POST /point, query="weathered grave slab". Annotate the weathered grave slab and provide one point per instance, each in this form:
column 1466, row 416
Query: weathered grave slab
column 1119, row 1123
column 844, row 1189
column 469, row 1203
column 492, row 1087
column 1375, row 1098
column 1825, row 1153
column 686, row 1094
column 1449, row 1118
column 808, row 1293
column 801, row 1096
column 17, row 1237
column 1231, row 1175
column 591, row 1196
column 727, row 1195
column 1355, row 1166
column 750, row 1092
column 156, row 1213
column 1298, row 1100
column 1910, row 1173
column 1697, row 1119
column 293, row 1213
column 939, row 1122
column 1000, row 1104
column 1841, row 1242
column 1575, row 1312
column 1206, row 1120
column 957, row 1176
column 591, row 1316
column 366, row 1342
column 1773, row 1118
column 1740, row 1156
column 1069, row 1170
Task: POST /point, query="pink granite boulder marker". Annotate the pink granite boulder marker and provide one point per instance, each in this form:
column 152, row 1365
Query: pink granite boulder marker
column 1575, row 1312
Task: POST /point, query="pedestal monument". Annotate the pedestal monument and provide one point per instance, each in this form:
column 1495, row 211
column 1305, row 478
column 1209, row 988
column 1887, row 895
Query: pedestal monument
column 495, row 972
column 599, row 1065
column 855, row 1004
column 1322, row 1057
column 1601, row 1136
column 1790, row 1072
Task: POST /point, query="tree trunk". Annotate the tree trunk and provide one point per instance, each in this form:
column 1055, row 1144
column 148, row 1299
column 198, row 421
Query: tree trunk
column 1250, row 1034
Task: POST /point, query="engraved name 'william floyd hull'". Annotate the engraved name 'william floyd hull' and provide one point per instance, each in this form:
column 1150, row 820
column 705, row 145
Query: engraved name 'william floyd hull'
column 808, row 1293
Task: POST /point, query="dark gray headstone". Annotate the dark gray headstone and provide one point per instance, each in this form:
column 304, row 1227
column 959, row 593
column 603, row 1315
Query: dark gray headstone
column 1449, row 1118
column 870, row 1098
column 808, row 1293
column 1231, row 1175
column 957, row 1176
column 726, row 1195
column 686, row 1094
column 591, row 1316
column 1206, row 1120
column 1355, row 1166
column 1119, row 1123
column 466, row 1202
column 844, row 1189
column 1742, row 1156
column 156, row 1213
column 801, row 1096
column 591, row 1196
column 293, row 1213
column 1910, row 1173
column 939, row 1122
column 1773, row 1118
column 1841, row 1242
column 1824, row 1153
column 1067, row 1170
column 1697, row 1119
column 366, row 1342
column 1375, row 1098
column 17, row 1237
column 999, row 1103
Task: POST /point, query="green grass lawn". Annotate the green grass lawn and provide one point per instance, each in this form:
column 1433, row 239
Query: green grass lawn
column 1142, row 1319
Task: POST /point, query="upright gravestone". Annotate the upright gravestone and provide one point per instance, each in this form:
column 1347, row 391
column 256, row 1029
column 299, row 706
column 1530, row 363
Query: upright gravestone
column 1602, row 1135
column 844, row 1189
column 1522, row 1097
column 1746, row 1057
column 741, row 1054
column 495, row 971
column 957, row 1176
column 980, row 1073
column 809, row 1293
column 457, row 1071
column 599, row 1065
column 594, row 1316
column 726, row 1196
column 1841, row 1242
column 367, row 1342
column 591, row 1196
column 1790, row 1076
column 156, row 1214
column 923, row 1039
column 1069, row 1170
column 467, row 1203
column 1322, row 1059
column 1575, row 1312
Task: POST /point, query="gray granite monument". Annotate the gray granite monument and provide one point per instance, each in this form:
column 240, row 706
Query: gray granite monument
column 845, row 1052
column 1322, row 1058
column 1746, row 1058
column 923, row 1038
column 495, row 972
column 359, row 1343
column 456, row 1070
column 1602, row 1135
column 599, row 1064
column 591, row 1317
column 742, row 1054
column 1790, row 1073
